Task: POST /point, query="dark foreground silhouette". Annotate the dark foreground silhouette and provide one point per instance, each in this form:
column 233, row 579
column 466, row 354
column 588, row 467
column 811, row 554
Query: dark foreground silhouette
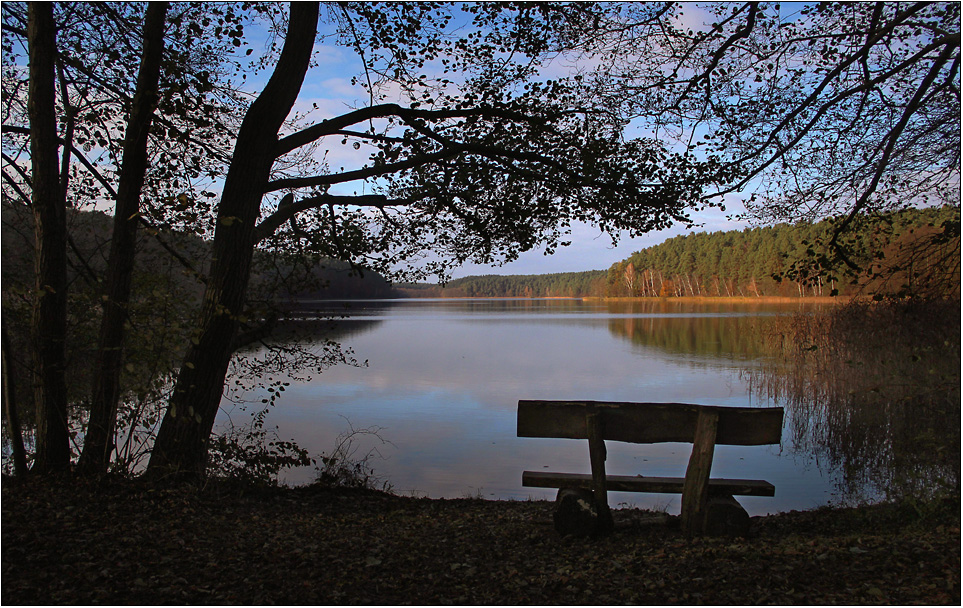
column 123, row 542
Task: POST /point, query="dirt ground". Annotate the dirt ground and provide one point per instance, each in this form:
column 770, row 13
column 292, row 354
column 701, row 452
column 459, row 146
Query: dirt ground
column 124, row 542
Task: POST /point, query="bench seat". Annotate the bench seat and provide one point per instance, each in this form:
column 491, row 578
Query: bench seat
column 637, row 483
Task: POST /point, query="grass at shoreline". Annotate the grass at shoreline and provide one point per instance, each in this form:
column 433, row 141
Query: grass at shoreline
column 119, row 541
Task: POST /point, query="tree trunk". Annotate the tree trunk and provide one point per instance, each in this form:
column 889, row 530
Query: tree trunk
column 181, row 446
column 49, row 322
column 10, row 415
column 98, row 442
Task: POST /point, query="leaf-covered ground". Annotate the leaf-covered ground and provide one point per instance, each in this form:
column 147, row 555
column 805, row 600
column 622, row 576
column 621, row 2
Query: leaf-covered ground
column 120, row 542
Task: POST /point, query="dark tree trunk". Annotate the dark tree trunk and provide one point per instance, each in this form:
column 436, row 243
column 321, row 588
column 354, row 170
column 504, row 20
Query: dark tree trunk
column 98, row 442
column 181, row 446
column 10, row 415
column 49, row 322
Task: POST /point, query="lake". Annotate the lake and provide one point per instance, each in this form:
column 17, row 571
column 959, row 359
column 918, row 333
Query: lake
column 443, row 379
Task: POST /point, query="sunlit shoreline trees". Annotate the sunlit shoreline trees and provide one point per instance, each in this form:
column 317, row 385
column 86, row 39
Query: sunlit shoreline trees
column 897, row 255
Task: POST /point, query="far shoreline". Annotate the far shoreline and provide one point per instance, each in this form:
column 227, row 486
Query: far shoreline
column 689, row 299
column 728, row 299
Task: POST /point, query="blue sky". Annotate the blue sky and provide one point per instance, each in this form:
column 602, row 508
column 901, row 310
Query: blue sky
column 328, row 87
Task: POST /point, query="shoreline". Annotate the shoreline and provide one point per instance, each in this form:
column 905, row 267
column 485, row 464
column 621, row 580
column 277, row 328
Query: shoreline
column 731, row 299
column 690, row 299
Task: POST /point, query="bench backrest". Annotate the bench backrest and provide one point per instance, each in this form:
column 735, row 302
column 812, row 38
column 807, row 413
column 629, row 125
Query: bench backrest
column 648, row 422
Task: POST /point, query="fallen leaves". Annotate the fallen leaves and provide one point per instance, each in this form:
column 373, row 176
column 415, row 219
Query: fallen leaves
column 123, row 542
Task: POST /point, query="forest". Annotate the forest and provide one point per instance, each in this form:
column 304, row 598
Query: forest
column 554, row 285
column 909, row 253
column 914, row 252
column 174, row 260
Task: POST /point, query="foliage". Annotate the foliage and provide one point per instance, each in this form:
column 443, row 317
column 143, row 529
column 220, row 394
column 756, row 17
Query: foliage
column 824, row 109
column 342, row 467
column 98, row 56
column 252, row 454
column 478, row 166
column 913, row 252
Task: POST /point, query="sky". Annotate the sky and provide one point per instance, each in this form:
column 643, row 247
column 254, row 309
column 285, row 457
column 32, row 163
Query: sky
column 328, row 92
column 328, row 87
column 593, row 250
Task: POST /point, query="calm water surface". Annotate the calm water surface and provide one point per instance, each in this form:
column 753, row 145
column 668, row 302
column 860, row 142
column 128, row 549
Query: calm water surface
column 444, row 377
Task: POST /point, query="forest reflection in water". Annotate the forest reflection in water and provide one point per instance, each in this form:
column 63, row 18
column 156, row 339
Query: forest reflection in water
column 870, row 389
column 444, row 377
column 874, row 390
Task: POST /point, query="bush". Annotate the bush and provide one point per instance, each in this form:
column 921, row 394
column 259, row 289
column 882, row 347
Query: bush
column 342, row 468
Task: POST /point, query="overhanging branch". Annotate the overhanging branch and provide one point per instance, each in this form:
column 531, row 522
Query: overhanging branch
column 333, row 125
column 892, row 137
column 288, row 210
column 359, row 174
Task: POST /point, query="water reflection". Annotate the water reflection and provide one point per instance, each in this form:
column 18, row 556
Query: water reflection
column 707, row 329
column 444, row 377
column 874, row 392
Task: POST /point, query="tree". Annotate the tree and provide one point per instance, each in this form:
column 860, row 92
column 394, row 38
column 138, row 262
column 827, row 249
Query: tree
column 49, row 322
column 10, row 415
column 828, row 109
column 117, row 83
column 477, row 170
column 120, row 266
column 629, row 277
column 182, row 441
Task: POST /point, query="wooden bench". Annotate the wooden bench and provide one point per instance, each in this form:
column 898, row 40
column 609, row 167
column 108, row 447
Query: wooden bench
column 701, row 425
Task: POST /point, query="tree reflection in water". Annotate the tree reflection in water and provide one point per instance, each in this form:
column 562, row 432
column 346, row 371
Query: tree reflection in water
column 873, row 390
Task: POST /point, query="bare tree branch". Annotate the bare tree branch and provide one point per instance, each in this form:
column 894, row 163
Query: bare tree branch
column 892, row 138
column 333, row 125
column 268, row 225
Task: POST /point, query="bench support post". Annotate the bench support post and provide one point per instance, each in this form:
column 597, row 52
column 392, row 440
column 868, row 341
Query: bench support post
column 597, row 455
column 695, row 491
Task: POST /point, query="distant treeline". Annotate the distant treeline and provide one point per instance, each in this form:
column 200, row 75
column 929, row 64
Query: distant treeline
column 559, row 285
column 913, row 251
column 183, row 256
column 916, row 251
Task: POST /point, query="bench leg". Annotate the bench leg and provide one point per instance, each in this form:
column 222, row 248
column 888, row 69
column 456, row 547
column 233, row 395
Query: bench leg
column 695, row 490
column 597, row 456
